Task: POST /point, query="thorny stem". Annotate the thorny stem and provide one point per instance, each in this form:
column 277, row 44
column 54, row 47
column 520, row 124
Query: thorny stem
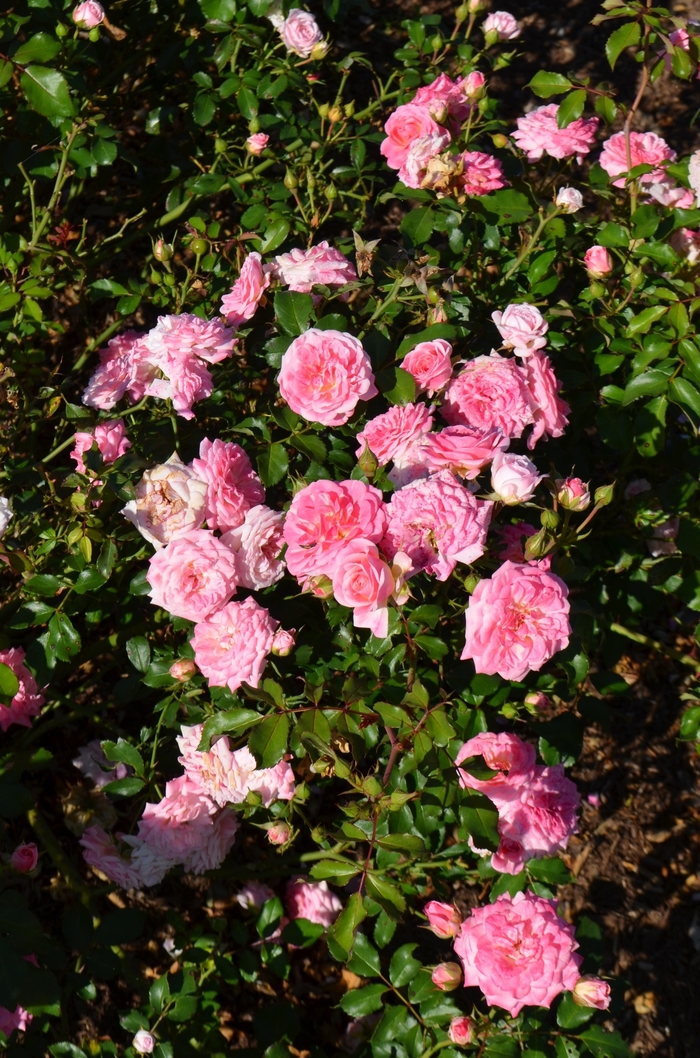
column 654, row 644
column 61, row 177
column 531, row 244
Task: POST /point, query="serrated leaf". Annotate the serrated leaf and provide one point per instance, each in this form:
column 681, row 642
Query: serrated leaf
column 272, row 464
column 479, row 818
column 649, row 384
column 401, row 843
column 124, row 787
column 43, row 584
column 268, row 742
column 122, row 752
column 159, row 994
column 418, row 225
column 627, row 36
column 571, row 1015
column 604, row 1044
column 46, row 91
column 403, row 967
column 642, row 322
column 684, row 393
column 139, row 653
column 341, row 871
column 39, row 48
column 385, row 893
column 545, row 84
column 571, row 108
column 365, row 958
column 397, row 385
column 363, row 1001
column 311, row 446
column 63, row 640
column 343, row 933
column 229, row 722
column 293, row 311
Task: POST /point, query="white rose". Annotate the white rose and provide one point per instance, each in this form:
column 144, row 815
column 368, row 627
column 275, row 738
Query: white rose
column 569, row 199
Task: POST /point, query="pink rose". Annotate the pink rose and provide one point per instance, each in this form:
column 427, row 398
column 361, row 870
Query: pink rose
column 516, row 621
column 512, row 759
column 598, row 262
column 473, row 85
column 254, row 895
column 227, row 776
column 669, row 193
column 364, row 582
column 144, row 1042
column 430, row 365
column 694, row 173
column 125, row 368
column 538, row 134
column 320, row 265
column 686, row 243
column 177, row 346
column 25, row 858
column 279, row 833
column 407, row 124
column 89, row 14
column 447, row 976
column 501, row 25
column 300, row 32
column 443, row 919
column 323, row 376
column 518, row 951
column 231, row 645
column 233, row 487
column 13, row 1020
column 448, row 101
column 283, row 642
column 395, row 434
column 100, row 851
column 537, row 700
column 573, row 494
column 481, row 173
column 646, row 148
column 27, row 702
column 569, row 200
column 313, row 901
column 513, row 537
column 256, row 144
column 464, row 450
column 257, row 544
column 414, row 168
column 169, row 501
column 540, row 816
column 549, row 410
column 192, row 576
column 183, row 670
column 591, row 992
column 489, row 391
column 514, row 478
column 460, row 1031
column 92, row 762
column 111, row 441
column 241, row 302
column 522, row 328
column 186, row 827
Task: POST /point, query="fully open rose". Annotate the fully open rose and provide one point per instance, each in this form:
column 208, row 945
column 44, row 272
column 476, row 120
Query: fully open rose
column 323, row 376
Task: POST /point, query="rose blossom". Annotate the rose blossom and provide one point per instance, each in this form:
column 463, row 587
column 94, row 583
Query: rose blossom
column 407, row 124
column 395, row 433
column 320, row 265
column 591, row 992
column 686, row 243
column 182, row 670
column 10, row 1021
column 94, row 765
column 254, row 895
column 646, row 148
column 518, row 951
column 436, row 523
column 111, row 441
column 538, row 819
column 569, row 200
column 448, row 100
column 522, row 328
column 27, row 702
column 430, row 365
column 233, row 487
column 364, row 582
column 227, row 776
column 177, row 345
column 192, row 576
column 169, row 502
column 144, row 1042
column 25, row 858
column 514, row 478
column 124, row 368
column 186, row 827
column 516, row 621
column 512, row 537
column 231, row 645
column 244, row 297
column 256, row 144
column 694, row 173
column 464, row 450
column 256, row 545
column 447, row 976
column 414, row 168
column 480, row 174
column 279, row 833
column 598, row 262
column 573, row 494
column 512, row 759
column 443, row 919
column 489, row 391
column 501, row 24
column 324, row 517
column 313, row 901
column 323, row 376
column 549, row 410
column 669, row 193
column 538, row 134
column 88, row 14
column 300, row 32
column 460, row 1031
column 100, row 851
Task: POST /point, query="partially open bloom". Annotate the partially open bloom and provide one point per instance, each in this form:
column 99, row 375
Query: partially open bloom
column 489, row 391
column 231, row 645
column 111, row 441
column 460, row 1031
column 512, row 759
column 430, row 364
column 364, row 582
column 13, row 1020
column 569, row 200
column 183, row 670
column 88, row 14
column 514, row 478
column 144, row 1042
column 25, row 858
column 407, row 124
column 125, row 369
column 27, row 702
column 394, row 434
column 300, row 33
column 313, row 901
column 324, row 374
column 227, row 776
column 256, row 545
column 465, row 450
column 522, row 328
column 549, row 411
column 321, row 265
column 283, row 642
column 447, row 976
column 448, row 100
column 233, row 487
column 279, row 833
column 169, row 501
column 538, row 133
column 591, row 992
column 645, row 148
column 257, row 143
column 598, row 262
column 573, row 494
column 501, row 25
column 247, row 292
column 186, row 827
column 443, row 919
column 192, row 576
column 413, row 171
column 481, row 173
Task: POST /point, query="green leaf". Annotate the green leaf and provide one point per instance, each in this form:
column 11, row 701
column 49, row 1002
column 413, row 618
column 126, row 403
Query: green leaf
column 293, row 311
column 641, row 323
column 684, row 393
column 301, row 933
column 545, row 84
column 606, row 108
column 272, row 464
column 365, row 958
column 343, row 933
column 275, row 234
column 551, row 870
column 88, row 580
column 479, row 818
column 39, row 48
column 124, row 787
column 403, row 967
column 229, row 722
column 627, row 36
column 649, row 427
column 47, row 92
column 648, row 384
column 565, row 1048
column 401, row 843
column 362, row 1001
column 341, row 871
column 571, row 108
column 122, row 752
column 604, row 1044
column 690, row 724
column 645, row 221
column 570, row 1015
column 159, row 994
column 438, row 330
column 247, row 103
column 681, row 63
column 510, row 207
column 9, row 684
column 43, row 584
column 139, row 653
column 418, row 225
column 613, row 235
column 63, row 640
column 270, row 917
column 218, row 10
column 268, row 742
column 311, row 446
column 397, row 385
column 385, row 894
column 204, row 109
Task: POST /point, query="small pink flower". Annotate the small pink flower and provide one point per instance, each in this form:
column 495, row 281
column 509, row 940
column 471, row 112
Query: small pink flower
column 144, row 1042
column 186, row 827
column 321, row 265
column 179, row 346
column 522, row 328
column 594, row 800
column 448, row 100
column 125, row 369
column 192, row 576
column 89, row 14
column 283, row 642
column 232, row 644
column 514, row 478
column 415, row 165
column 591, row 992
column 464, row 450
column 100, row 851
column 460, row 1031
column 27, row 702
column 111, row 441
column 11, row 1021
column 227, row 776
column 443, row 919
column 394, row 434
column 183, row 670
column 489, row 391
column 473, row 85
column 364, row 582
column 549, row 410
column 257, row 143
column 598, row 262
column 569, row 200
column 430, row 364
column 279, row 833
column 538, row 134
column 313, row 901
column 407, row 124
column 537, row 700
column 573, row 494
column 668, row 192
column 254, row 895
column 323, row 376
column 540, row 816
column 257, row 544
column 447, row 976
column 300, row 33
column 481, row 173
column 25, row 858
column 512, row 759
column 242, row 301
column 686, row 243
column 233, row 487
column 645, row 148
column 502, row 25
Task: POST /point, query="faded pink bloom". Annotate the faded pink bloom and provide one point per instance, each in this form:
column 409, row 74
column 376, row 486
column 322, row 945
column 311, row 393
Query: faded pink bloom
column 27, row 702
column 598, row 262
column 111, row 441
column 169, row 501
column 177, row 345
column 231, row 645
column 256, row 144
column 443, row 919
column 100, row 851
column 516, row 621
column 512, row 759
column 513, row 537
column 88, row 14
column 313, row 901
column 522, row 328
column 254, row 895
column 464, row 450
column 663, row 539
column 569, row 200
column 124, row 368
column 257, row 544
column 183, row 670
column 448, row 100
column 279, row 833
column 436, row 523
column 573, row 494
column 460, row 1031
column 324, row 517
column 19, row 1019
column 501, row 24
column 646, row 148
column 480, row 174
column 25, row 858
column 447, row 976
column 321, row 265
column 591, row 992
column 192, row 576
column 244, row 297
column 636, row 487
column 489, row 391
column 364, row 582
column 430, row 365
column 542, row 815
column 299, row 32
column 233, row 487
column 407, row 124
column 186, row 827
column 518, row 951
column 415, row 165
column 549, row 410
column 514, row 478
column 92, row 762
column 394, row 434
column 667, row 192
column 227, row 776
column 324, row 374
column 538, row 134
column 686, row 243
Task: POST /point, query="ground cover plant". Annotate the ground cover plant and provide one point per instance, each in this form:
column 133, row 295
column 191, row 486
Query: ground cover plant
column 321, row 546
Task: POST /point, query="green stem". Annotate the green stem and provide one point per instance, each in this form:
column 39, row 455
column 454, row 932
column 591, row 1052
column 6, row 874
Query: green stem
column 32, row 197
column 654, row 644
column 437, row 1047
column 61, row 178
column 532, row 243
column 59, row 448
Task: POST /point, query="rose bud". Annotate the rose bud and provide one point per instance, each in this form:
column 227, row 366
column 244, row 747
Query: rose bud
column 183, row 669
column 513, row 478
column 321, row 586
column 279, row 833
column 368, row 462
column 591, row 992
column 88, row 15
column 25, row 858
column 460, row 1031
column 604, row 495
column 500, row 25
column 283, row 642
column 443, row 919
column 473, row 85
column 573, row 494
column 537, row 700
column 447, row 976
column 598, row 262
column 569, row 200
column 257, row 143
column 143, row 1042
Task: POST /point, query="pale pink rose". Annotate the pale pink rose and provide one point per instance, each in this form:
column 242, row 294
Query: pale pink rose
column 364, row 582
column 231, row 645
column 436, row 523
column 522, row 328
column 513, row 537
column 256, row 144
column 185, row 381
column 407, row 124
column 244, row 297
column 502, row 24
column 254, row 895
column 186, row 827
column 256, row 544
column 111, row 441
column 549, row 410
column 100, row 851
column 321, row 265
column 313, row 901
column 489, row 391
column 591, row 992
column 25, row 858
column 518, row 951
column 177, row 345
column 300, row 32
column 323, row 376
column 447, row 976
column 537, row 700
column 28, row 701
column 663, row 539
column 686, row 243
column 430, row 365
column 542, row 815
column 464, row 450
column 233, row 487
column 227, row 776
column 169, row 502
column 192, row 576
column 448, row 100
column 512, row 759
column 667, row 192
column 538, row 134
column 573, row 494
column 279, row 833
column 516, row 621
column 324, row 517
column 473, row 85
column 646, row 148
column 92, row 762
column 444, row 919
column 144, row 1042
column 183, row 670
column 481, row 173
column 151, row 868
column 460, row 1031
column 414, row 168
column 509, row 857
column 17, row 1020
column 569, row 200
column 598, row 262
column 283, row 642
column 393, row 435
column 125, row 368
column 89, row 14
column 694, row 174
column 514, row 478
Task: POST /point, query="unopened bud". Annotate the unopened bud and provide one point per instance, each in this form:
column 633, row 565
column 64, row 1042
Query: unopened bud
column 549, row 519
column 323, row 110
column 436, row 42
column 535, row 546
column 279, row 833
column 290, row 181
column 25, row 858
column 536, row 700
column 368, row 462
column 335, row 114
column 460, row 1031
column 144, row 1042
column 60, row 30
column 310, row 181
column 462, row 13
column 573, row 494
column 491, row 37
column 283, row 642
column 253, row 126
column 499, row 140
column 94, row 34
column 183, row 669
column 331, row 192
column 447, row 976
column 220, row 145
column 349, row 109
column 162, row 250
column 604, row 495
column 320, row 586
column 470, row 582
column 319, row 50
column 591, row 992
